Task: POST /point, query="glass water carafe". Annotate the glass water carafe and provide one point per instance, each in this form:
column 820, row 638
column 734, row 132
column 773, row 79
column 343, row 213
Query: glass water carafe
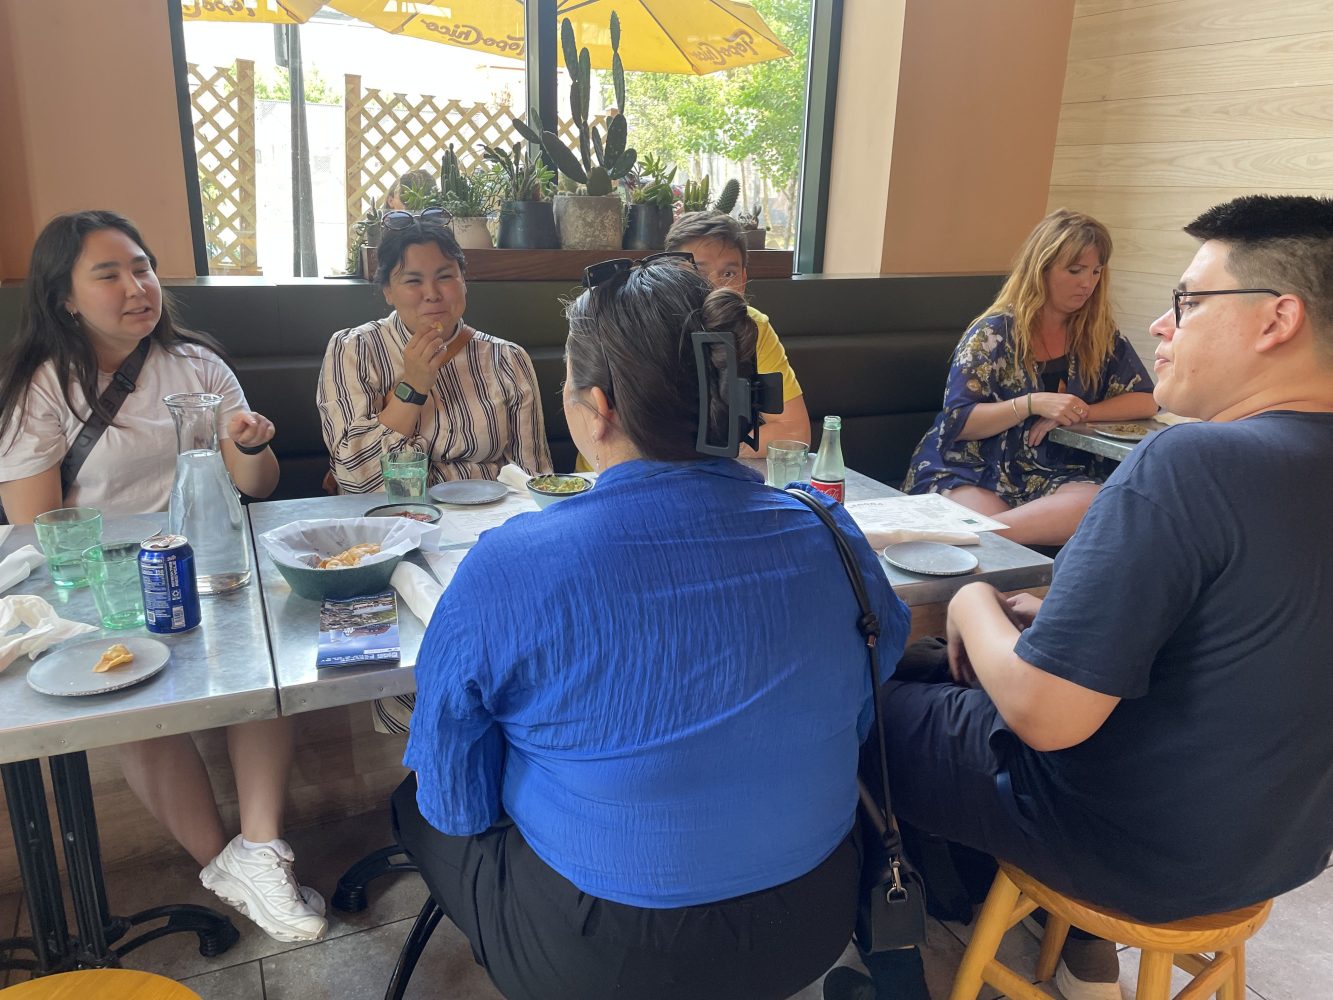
column 205, row 506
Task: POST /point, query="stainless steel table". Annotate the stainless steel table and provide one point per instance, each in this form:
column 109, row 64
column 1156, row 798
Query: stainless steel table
column 294, row 621
column 218, row 674
column 1004, row 564
column 1084, row 438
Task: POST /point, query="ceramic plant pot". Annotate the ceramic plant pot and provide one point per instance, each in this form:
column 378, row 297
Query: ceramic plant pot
column 528, row 225
column 472, row 233
column 589, row 222
column 647, row 227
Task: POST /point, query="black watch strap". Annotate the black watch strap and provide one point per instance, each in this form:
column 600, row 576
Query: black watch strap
column 407, row 394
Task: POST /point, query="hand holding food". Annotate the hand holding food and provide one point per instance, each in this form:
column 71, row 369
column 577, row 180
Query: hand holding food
column 351, row 557
column 426, row 353
column 115, row 656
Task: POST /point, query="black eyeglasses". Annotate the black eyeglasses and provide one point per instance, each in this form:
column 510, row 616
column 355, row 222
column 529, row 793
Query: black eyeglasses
column 1178, row 294
column 399, row 219
column 599, row 274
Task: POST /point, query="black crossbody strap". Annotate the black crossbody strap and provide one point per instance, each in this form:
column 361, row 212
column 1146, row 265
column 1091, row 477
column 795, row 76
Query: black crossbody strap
column 868, row 625
column 113, row 396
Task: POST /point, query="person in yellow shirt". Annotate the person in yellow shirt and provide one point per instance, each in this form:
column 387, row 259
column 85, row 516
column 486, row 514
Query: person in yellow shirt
column 718, row 246
column 715, row 240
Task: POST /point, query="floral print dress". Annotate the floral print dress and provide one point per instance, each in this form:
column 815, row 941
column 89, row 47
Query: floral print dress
column 985, row 369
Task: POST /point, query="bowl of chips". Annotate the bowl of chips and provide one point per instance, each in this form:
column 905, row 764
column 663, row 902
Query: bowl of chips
column 346, row 557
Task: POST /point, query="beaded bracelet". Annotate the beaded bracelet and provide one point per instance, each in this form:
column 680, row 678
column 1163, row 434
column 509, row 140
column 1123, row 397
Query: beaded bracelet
column 249, row 449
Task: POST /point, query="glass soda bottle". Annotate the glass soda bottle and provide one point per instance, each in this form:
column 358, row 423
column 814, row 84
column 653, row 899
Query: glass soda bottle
column 205, row 506
column 829, row 474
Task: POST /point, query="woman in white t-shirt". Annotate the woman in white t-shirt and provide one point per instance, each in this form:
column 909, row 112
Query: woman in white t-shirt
column 92, row 296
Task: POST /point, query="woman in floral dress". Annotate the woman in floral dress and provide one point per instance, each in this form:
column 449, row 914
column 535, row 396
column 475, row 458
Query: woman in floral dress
column 1045, row 354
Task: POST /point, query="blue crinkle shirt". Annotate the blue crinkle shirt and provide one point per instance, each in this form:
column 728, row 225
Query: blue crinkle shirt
column 660, row 681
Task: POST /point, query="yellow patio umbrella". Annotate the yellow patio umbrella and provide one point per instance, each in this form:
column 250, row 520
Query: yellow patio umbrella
column 250, row 11
column 657, row 36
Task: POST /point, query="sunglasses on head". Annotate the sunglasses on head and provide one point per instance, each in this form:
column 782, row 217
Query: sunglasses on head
column 620, row 267
column 400, row 219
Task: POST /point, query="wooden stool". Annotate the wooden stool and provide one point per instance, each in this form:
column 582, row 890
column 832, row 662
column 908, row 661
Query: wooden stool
column 104, row 984
column 1015, row 894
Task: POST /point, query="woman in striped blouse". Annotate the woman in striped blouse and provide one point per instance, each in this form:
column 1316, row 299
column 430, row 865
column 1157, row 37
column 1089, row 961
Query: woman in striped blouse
column 423, row 378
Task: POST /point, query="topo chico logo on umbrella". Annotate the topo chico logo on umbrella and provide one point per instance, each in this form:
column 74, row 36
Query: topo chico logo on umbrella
column 473, row 37
column 738, row 45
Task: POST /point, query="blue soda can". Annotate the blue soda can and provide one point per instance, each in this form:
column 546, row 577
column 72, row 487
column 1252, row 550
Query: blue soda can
column 170, row 590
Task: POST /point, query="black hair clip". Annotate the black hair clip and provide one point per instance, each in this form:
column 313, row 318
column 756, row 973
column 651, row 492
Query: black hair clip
column 747, row 394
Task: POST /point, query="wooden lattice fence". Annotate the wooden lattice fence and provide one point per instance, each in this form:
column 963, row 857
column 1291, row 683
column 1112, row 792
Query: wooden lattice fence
column 389, row 134
column 223, row 101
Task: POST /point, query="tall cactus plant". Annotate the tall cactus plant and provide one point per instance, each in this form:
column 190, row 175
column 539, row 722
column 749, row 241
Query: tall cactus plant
column 596, row 163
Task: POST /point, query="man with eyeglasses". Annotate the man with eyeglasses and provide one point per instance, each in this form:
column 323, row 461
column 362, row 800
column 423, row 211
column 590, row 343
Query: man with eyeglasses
column 1156, row 737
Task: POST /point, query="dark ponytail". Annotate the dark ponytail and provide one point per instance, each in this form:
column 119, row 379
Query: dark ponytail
column 631, row 339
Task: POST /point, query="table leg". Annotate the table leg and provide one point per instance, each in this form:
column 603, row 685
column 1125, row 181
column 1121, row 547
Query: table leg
column 25, row 794
column 98, row 929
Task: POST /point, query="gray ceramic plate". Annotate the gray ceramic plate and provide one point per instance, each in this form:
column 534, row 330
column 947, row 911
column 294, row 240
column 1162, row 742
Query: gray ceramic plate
column 428, row 513
column 1125, row 431
column 469, row 492
column 69, row 669
column 930, row 558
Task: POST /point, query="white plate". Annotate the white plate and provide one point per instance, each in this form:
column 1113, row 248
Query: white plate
column 930, row 558
column 469, row 492
column 69, row 669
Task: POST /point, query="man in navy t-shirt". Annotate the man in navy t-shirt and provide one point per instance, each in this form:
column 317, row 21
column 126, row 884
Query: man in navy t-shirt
column 1158, row 739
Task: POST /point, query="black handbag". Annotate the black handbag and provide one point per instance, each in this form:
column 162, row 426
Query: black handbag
column 891, row 910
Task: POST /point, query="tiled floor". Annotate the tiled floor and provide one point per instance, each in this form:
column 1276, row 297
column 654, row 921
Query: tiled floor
column 1291, row 959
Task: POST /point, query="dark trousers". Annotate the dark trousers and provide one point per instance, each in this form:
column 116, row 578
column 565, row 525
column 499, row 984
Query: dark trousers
column 541, row 938
column 948, row 754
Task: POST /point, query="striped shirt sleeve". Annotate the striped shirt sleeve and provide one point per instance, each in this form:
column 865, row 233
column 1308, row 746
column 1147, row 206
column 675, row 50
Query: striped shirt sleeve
column 353, row 381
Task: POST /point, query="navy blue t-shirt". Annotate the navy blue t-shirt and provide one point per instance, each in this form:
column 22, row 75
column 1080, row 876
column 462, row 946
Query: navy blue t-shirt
column 1199, row 590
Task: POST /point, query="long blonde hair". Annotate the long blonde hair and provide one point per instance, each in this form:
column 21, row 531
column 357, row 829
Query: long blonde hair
column 1058, row 240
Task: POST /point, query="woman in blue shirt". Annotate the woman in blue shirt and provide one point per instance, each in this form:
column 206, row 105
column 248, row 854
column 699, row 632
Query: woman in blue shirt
column 639, row 711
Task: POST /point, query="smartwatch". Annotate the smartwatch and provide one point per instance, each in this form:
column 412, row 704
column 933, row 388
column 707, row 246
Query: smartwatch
column 407, row 394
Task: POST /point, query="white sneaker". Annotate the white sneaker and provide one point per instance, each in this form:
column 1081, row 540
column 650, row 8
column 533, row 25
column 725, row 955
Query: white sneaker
column 259, row 883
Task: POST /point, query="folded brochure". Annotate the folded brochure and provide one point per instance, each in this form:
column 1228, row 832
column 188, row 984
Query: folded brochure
column 358, row 630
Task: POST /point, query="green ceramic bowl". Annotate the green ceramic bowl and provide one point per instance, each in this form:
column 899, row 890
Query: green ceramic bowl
column 354, row 581
column 547, row 490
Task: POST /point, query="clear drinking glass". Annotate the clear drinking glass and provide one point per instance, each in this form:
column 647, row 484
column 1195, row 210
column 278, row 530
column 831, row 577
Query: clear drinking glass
column 786, row 462
column 113, row 575
column 404, row 474
column 62, row 536
column 205, row 506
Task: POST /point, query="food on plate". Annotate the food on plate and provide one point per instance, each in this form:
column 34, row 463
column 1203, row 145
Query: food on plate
column 559, row 484
column 349, row 558
column 414, row 515
column 115, row 656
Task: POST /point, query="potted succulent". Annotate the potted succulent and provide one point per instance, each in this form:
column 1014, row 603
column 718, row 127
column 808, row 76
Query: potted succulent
column 755, row 236
column 588, row 216
column 695, row 196
column 469, row 198
column 651, row 203
column 526, row 219
column 362, row 255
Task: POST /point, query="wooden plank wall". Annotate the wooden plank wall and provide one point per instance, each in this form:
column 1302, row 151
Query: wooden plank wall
column 1171, row 106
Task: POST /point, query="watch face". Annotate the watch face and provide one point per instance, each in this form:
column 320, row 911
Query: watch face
column 407, row 394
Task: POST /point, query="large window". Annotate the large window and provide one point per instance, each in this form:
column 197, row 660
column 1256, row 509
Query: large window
column 283, row 189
